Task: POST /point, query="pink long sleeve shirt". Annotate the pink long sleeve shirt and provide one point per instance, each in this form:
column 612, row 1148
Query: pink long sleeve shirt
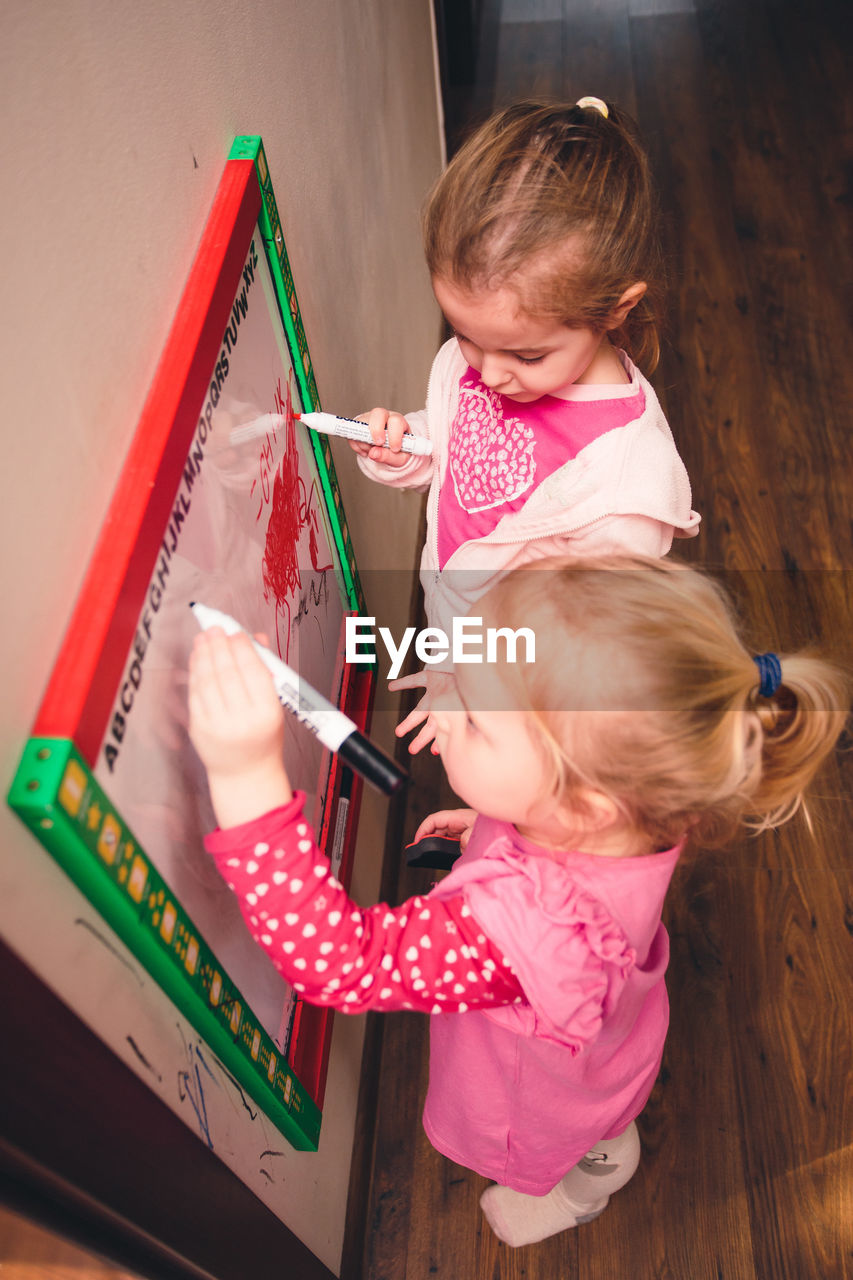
column 425, row 955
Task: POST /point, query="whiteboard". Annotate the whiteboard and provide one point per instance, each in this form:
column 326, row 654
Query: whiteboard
column 248, row 535
column 252, row 526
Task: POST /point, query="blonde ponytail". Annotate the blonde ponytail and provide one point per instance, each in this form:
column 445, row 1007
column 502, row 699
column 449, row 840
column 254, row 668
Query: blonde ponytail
column 800, row 724
column 643, row 690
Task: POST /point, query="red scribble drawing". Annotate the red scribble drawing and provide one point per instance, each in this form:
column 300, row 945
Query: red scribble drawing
column 293, row 509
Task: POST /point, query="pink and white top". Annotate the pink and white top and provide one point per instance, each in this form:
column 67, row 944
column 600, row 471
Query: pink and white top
column 626, row 492
column 500, row 451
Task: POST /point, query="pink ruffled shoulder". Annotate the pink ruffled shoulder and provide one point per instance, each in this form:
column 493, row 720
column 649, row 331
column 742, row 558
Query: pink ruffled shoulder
column 570, row 955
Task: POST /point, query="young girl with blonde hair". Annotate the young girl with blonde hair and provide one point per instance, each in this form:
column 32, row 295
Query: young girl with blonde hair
column 642, row 722
column 541, row 242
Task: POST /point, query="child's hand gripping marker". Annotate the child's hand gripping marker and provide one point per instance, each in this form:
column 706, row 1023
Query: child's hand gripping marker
column 335, row 730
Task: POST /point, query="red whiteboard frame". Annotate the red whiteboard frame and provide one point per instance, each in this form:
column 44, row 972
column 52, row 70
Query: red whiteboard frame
column 81, row 691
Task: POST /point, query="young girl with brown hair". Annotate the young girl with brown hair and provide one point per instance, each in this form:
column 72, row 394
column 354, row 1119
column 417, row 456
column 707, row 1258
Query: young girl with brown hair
column 541, row 241
column 643, row 722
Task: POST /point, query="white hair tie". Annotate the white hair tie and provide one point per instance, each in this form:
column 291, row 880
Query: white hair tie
column 596, row 103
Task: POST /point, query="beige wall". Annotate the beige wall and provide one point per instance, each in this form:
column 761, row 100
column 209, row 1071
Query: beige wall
column 118, row 116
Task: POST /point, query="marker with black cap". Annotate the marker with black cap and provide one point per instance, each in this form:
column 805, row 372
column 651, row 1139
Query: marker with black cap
column 335, row 730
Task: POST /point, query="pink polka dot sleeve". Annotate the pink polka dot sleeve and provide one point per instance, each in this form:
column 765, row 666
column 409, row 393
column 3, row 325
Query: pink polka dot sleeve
column 427, row 954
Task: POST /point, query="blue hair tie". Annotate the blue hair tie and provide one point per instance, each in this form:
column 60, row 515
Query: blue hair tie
column 770, row 671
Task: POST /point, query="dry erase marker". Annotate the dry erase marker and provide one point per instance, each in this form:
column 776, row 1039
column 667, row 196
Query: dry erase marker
column 348, row 428
column 352, row 429
column 335, row 730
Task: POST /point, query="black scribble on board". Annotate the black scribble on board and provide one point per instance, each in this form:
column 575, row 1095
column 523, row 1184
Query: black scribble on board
column 142, row 1058
column 109, row 946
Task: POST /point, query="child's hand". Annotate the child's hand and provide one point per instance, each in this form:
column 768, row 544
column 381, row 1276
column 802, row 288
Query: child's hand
column 380, row 420
column 237, row 727
column 448, row 822
column 435, row 683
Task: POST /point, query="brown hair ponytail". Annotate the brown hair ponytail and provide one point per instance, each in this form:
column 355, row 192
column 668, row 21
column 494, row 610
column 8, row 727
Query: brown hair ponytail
column 555, row 202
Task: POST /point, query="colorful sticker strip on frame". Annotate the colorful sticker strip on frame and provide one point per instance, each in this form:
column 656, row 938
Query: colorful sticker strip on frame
column 62, row 787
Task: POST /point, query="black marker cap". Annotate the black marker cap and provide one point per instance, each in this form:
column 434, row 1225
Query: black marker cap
column 437, row 852
column 379, row 770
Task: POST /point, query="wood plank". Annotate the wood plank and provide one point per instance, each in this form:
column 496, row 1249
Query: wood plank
column 748, row 1152
column 793, row 254
column 790, row 1001
column 706, row 379
column 597, row 53
column 521, row 70
column 793, row 1062
column 686, row 1212
column 392, row 1187
column 469, row 104
column 587, row 52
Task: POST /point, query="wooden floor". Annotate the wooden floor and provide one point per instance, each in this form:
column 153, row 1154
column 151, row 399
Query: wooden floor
column 748, row 1138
